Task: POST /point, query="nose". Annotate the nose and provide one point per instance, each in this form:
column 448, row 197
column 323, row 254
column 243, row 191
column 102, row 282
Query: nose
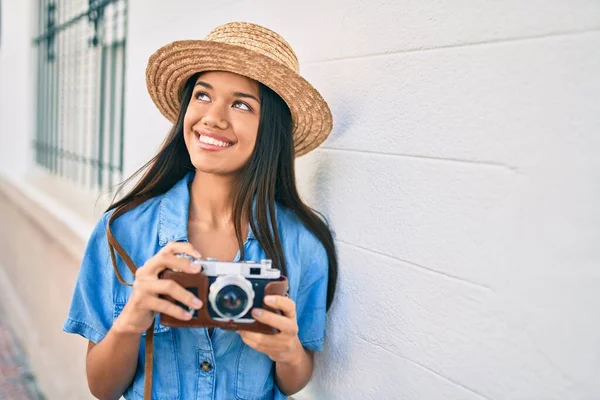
column 215, row 117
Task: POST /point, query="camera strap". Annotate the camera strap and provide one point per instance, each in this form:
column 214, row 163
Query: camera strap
column 114, row 245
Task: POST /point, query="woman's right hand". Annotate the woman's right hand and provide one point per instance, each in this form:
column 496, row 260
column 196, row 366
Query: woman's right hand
column 144, row 302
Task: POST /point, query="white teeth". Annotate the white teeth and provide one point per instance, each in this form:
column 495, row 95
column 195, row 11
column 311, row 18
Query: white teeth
column 214, row 142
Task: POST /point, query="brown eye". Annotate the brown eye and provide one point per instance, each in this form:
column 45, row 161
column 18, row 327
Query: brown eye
column 242, row 106
column 202, row 96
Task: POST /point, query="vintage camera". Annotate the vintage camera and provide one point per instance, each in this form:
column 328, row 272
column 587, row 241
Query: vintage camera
column 229, row 291
column 236, row 287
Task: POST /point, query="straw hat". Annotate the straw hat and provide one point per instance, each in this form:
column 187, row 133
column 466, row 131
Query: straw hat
column 249, row 50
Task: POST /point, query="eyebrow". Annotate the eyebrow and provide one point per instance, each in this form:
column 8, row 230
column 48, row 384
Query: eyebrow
column 237, row 94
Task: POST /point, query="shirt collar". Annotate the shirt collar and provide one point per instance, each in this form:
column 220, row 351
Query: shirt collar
column 174, row 213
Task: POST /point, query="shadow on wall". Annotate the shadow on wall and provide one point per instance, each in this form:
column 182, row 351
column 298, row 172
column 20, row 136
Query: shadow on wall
column 320, row 184
column 337, row 351
column 344, row 118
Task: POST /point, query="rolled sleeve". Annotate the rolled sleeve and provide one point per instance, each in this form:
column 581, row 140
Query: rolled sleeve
column 312, row 299
column 91, row 311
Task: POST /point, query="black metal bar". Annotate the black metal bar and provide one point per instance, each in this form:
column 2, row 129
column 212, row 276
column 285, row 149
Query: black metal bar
column 73, row 166
column 50, row 24
column 38, row 83
column 111, row 132
column 92, row 94
column 50, row 94
column 55, row 85
column 79, row 158
column 52, row 31
column 102, row 112
column 79, row 171
column 44, row 93
column 69, row 98
column 60, row 115
column 113, row 74
column 93, row 128
column 51, row 113
column 124, row 64
column 85, row 125
column 48, row 107
column 67, row 95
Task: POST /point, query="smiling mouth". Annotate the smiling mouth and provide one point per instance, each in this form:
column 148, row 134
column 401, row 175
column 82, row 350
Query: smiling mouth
column 212, row 142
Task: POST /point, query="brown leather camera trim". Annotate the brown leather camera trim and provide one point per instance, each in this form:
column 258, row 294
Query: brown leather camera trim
column 204, row 320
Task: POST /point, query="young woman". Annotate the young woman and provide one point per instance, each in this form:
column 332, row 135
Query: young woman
column 221, row 186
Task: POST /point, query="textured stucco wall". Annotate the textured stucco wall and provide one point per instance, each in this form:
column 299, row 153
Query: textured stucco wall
column 461, row 180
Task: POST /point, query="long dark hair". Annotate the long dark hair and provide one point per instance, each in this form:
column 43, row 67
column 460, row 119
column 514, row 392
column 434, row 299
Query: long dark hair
column 268, row 177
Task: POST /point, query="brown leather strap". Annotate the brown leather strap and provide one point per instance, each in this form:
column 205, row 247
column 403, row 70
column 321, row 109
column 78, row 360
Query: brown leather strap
column 113, row 245
column 149, row 363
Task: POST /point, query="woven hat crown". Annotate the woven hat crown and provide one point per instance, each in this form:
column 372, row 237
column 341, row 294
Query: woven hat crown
column 258, row 39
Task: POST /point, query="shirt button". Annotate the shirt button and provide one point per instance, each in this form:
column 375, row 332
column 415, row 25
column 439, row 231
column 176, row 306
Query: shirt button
column 206, row 366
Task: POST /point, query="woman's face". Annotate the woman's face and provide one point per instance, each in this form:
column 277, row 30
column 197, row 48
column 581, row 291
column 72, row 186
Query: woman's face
column 221, row 122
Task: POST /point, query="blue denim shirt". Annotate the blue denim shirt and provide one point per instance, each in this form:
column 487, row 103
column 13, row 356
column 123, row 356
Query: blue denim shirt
column 237, row 370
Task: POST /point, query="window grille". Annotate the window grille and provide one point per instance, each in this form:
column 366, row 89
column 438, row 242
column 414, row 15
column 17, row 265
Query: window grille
column 80, row 90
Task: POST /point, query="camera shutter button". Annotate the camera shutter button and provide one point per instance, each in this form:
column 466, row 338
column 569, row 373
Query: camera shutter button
column 206, row 366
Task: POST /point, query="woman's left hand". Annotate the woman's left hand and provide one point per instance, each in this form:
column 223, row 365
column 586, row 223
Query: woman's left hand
column 285, row 346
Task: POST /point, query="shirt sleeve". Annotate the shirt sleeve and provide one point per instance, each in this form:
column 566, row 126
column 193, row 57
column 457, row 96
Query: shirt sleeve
column 91, row 311
column 312, row 298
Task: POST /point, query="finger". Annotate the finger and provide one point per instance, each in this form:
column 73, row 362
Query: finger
column 173, row 248
column 155, row 304
column 251, row 343
column 162, row 261
column 281, row 322
column 258, row 341
column 255, row 337
column 282, row 303
column 173, row 289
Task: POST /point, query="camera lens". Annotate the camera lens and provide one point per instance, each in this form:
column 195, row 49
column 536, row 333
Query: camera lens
column 231, row 296
column 231, row 301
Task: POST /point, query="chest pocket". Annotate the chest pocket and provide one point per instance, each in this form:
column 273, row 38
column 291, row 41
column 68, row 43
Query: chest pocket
column 165, row 385
column 254, row 375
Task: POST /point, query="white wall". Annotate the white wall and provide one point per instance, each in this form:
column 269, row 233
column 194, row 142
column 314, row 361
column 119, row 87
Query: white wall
column 17, row 80
column 461, row 180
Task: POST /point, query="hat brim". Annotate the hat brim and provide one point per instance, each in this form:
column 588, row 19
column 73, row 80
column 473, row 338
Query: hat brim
column 172, row 65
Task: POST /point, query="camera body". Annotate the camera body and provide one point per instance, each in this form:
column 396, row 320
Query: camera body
column 229, row 291
column 235, row 288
